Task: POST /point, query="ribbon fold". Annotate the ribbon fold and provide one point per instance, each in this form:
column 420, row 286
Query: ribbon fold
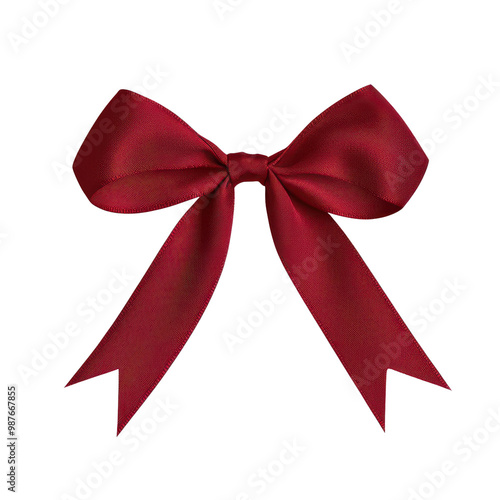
column 356, row 159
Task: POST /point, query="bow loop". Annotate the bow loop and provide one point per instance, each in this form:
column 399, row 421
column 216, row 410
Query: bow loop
column 139, row 156
column 356, row 159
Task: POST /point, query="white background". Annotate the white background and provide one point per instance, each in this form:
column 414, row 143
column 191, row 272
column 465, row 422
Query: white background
column 226, row 72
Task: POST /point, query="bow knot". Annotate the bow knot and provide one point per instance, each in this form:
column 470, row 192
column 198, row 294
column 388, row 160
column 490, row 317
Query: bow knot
column 244, row 167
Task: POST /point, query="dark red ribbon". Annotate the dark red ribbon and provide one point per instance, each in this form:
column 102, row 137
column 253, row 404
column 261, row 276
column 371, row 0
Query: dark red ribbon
column 356, row 159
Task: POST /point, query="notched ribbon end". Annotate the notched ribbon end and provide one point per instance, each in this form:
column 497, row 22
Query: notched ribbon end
column 377, row 400
column 125, row 411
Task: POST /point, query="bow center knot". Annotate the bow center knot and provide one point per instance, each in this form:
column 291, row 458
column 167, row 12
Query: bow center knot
column 244, row 167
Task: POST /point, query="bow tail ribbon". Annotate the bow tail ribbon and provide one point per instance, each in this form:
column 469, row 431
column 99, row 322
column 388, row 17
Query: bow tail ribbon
column 167, row 304
column 352, row 310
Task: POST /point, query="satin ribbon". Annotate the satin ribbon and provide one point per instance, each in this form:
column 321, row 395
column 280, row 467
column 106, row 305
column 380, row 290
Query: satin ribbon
column 356, row 159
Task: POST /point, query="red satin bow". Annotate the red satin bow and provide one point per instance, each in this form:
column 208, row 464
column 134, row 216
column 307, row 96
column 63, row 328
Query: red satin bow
column 356, row 159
